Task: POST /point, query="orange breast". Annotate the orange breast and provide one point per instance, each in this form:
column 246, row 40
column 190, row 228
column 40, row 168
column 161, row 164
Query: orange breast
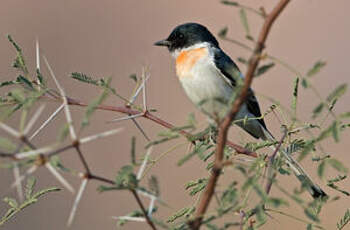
column 187, row 59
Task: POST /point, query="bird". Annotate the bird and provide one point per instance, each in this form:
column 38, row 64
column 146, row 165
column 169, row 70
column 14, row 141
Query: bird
column 211, row 80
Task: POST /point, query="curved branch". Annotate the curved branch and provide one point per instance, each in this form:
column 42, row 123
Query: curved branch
column 226, row 123
column 127, row 110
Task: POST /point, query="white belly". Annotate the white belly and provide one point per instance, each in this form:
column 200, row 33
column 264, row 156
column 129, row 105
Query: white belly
column 207, row 89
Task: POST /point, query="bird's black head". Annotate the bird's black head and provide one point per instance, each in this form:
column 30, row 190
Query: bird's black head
column 186, row 35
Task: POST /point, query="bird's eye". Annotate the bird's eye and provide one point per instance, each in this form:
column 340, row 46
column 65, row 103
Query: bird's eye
column 181, row 36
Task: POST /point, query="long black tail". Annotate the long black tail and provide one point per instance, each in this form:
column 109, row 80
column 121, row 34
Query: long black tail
column 312, row 188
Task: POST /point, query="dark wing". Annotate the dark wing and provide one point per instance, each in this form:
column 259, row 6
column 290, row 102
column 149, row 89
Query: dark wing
column 226, row 66
column 231, row 71
column 253, row 107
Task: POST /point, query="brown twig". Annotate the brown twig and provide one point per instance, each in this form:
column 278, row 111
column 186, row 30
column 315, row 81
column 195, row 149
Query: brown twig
column 137, row 197
column 83, row 160
column 133, row 191
column 127, row 110
column 226, row 123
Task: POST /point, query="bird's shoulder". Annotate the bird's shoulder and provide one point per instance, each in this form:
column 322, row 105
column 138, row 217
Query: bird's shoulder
column 226, row 65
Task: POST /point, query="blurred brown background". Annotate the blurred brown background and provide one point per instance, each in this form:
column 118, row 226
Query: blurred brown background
column 114, row 38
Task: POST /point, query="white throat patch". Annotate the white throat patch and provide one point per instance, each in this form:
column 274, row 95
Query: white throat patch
column 176, row 52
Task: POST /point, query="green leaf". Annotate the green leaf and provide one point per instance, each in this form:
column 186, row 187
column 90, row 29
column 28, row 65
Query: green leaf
column 63, row 133
column 337, row 165
column 7, row 144
column 160, row 141
column 45, row 191
column 12, row 202
column 199, row 149
column 56, row 162
column 326, row 132
column 30, row 199
column 196, row 186
column 345, row 115
column 133, row 77
column 223, row 32
column 344, row 220
column 91, row 108
column 321, row 169
column 154, row 185
column 133, row 150
column 40, row 78
column 84, row 78
column 295, row 146
column 19, row 61
column 260, row 215
column 25, row 82
column 317, row 110
column 295, row 95
column 335, row 131
column 276, row 202
column 229, row 197
column 18, row 96
column 337, row 93
column 242, row 60
column 311, row 215
column 244, row 21
column 304, row 83
column 316, row 68
column 309, row 227
column 6, row 83
column 126, row 179
column 337, row 179
column 231, row 3
column 181, row 213
column 335, row 187
column 263, row 69
column 29, row 187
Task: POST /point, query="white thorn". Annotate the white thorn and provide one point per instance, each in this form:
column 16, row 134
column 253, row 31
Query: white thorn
column 18, row 183
column 52, row 116
column 9, row 130
column 65, row 102
column 34, row 152
column 33, row 119
column 129, row 218
column 99, row 135
column 144, row 90
column 146, row 194
column 37, row 54
column 150, row 207
column 138, row 91
column 126, row 118
column 27, row 173
column 59, row 177
column 76, row 202
column 143, row 165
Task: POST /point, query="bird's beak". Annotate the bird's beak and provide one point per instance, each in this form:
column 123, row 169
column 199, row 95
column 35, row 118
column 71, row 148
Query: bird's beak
column 162, row 43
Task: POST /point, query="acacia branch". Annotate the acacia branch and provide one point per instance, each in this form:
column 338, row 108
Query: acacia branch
column 136, row 196
column 127, row 110
column 227, row 121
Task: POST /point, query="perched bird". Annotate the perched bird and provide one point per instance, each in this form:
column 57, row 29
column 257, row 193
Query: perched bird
column 210, row 79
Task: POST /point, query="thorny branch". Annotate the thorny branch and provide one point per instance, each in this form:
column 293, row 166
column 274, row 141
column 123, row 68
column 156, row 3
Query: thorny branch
column 226, row 123
column 127, row 110
column 135, row 194
column 221, row 139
